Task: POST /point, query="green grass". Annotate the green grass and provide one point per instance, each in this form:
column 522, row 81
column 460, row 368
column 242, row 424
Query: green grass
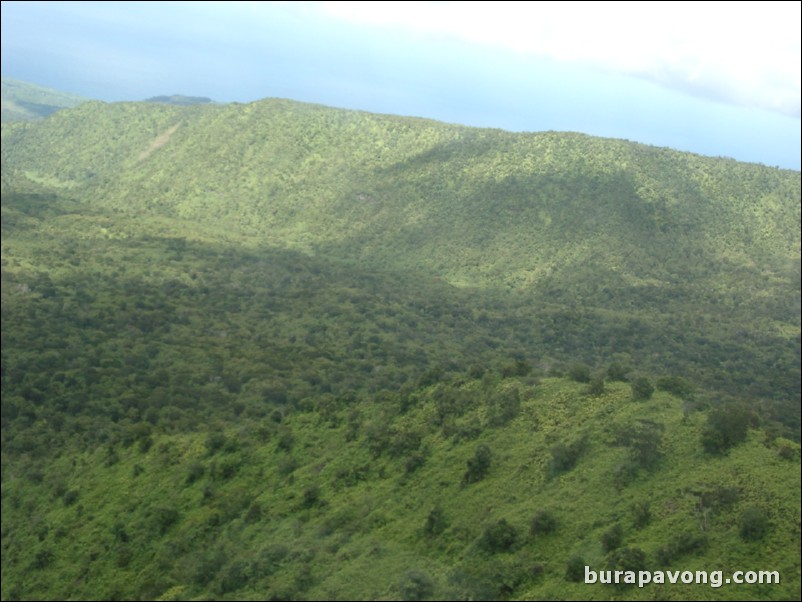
column 364, row 533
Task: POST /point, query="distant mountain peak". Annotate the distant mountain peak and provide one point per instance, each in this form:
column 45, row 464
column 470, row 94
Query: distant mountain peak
column 180, row 99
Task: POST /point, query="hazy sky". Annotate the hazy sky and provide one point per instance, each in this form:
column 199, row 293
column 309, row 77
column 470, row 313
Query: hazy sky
column 717, row 78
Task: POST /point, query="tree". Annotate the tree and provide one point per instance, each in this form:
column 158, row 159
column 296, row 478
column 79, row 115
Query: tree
column 543, row 523
column 564, row 456
column 516, row 368
column 617, row 372
column 579, row 372
column 642, row 389
column 504, row 405
column 416, row 585
column 436, row 522
column 499, row 537
column 575, row 569
column 726, row 427
column 596, row 385
column 164, row 518
column 612, row 538
column 641, row 514
column 643, row 440
column 754, row 524
column 626, row 559
column 676, row 385
column 478, row 465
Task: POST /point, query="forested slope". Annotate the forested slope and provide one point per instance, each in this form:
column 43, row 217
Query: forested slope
column 284, row 351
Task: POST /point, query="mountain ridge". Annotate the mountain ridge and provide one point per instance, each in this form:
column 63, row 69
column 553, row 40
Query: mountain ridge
column 25, row 101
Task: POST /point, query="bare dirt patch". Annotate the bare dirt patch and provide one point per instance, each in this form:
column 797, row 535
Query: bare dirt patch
column 158, row 142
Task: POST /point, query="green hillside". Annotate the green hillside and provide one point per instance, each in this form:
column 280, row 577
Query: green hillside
column 282, row 351
column 374, row 501
column 23, row 101
column 696, row 257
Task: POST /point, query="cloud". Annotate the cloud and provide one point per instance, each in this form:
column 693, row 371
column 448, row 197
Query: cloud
column 743, row 53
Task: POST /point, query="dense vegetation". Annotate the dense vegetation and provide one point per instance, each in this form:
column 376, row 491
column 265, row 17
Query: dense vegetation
column 283, row 351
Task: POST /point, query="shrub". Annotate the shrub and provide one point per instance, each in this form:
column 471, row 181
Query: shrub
column 641, row 514
column 377, row 436
column 119, row 532
column 726, row 427
column 617, row 372
column 226, row 468
column 575, row 569
column 679, row 545
column 207, row 566
column 254, row 514
column 579, row 373
column 195, row 471
column 504, row 406
column 286, row 465
column 164, row 518
column 754, row 524
column 476, row 371
column 145, row 443
column 416, row 585
column 717, row 498
column 626, row 559
column 596, row 385
column 478, row 465
column 612, row 538
column 676, row 385
column 430, row 377
column 643, row 440
column 464, row 430
column 516, row 368
column 436, row 522
column 642, row 389
column 232, row 577
column 42, row 559
column 285, row 440
column 269, row 560
column 311, row 496
column 403, row 442
column 787, row 450
column 564, row 456
column 414, row 461
column 70, row 497
column 215, row 442
column 499, row 537
column 543, row 523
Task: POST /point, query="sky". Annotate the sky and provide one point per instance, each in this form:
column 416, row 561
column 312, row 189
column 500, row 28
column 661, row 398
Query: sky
column 715, row 78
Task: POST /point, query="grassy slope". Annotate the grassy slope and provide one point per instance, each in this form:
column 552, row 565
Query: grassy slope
column 245, row 528
column 23, row 101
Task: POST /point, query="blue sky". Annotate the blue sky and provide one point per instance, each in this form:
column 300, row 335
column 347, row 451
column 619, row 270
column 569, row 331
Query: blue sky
column 708, row 77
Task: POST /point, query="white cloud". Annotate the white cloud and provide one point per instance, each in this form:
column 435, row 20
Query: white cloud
column 745, row 53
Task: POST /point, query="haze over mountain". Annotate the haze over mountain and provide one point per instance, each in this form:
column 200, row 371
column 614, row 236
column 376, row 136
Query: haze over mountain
column 277, row 350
